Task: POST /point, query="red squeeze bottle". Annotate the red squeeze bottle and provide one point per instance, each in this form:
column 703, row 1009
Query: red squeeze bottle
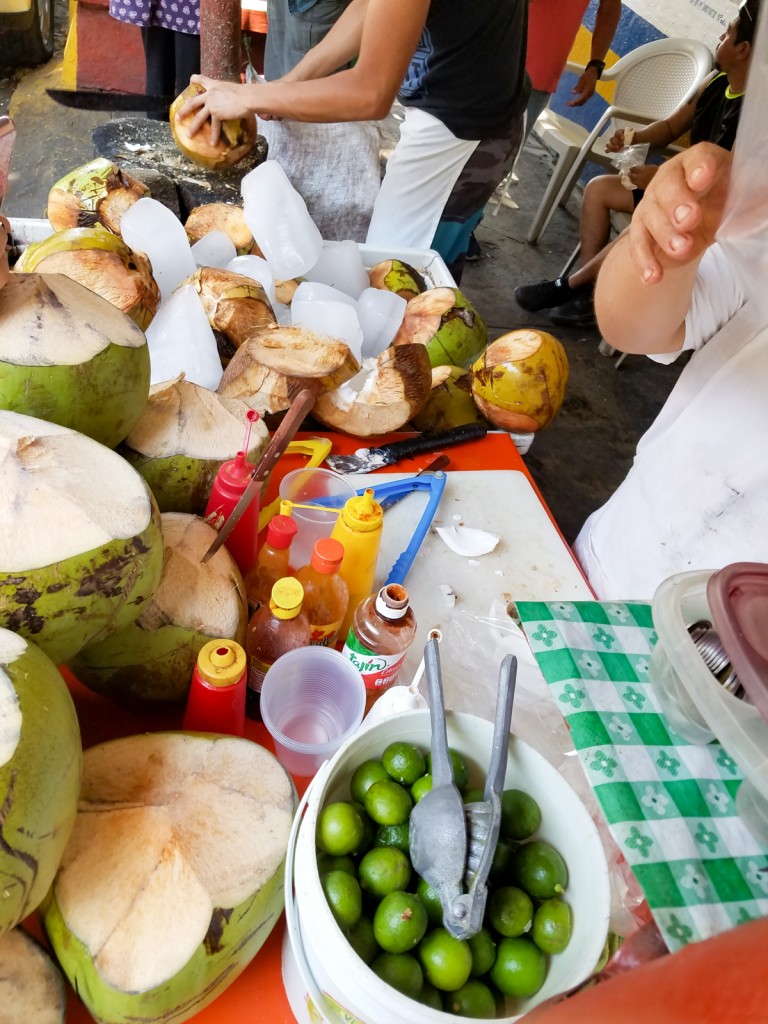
column 231, row 480
column 216, row 701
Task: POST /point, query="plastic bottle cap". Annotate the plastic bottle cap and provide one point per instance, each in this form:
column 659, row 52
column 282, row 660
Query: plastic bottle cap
column 362, row 513
column 237, row 472
column 221, row 662
column 287, row 596
column 280, row 532
column 392, row 601
column 327, row 555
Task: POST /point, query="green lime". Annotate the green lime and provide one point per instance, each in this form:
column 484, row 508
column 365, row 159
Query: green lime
column 520, row 968
column 538, row 868
column 552, row 926
column 369, row 829
column 509, row 911
column 460, row 769
column 520, row 814
column 421, row 787
column 401, row 971
column 472, row 795
column 383, row 870
column 447, row 961
column 344, row 896
column 364, row 776
column 404, row 762
column 362, row 939
column 387, row 803
column 326, row 863
column 483, row 950
column 431, row 997
column 430, row 897
column 471, row 1000
column 399, row 922
column 393, row 835
column 339, row 829
column 502, row 858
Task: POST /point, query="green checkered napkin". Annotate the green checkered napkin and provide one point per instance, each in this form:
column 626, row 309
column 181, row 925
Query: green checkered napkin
column 669, row 804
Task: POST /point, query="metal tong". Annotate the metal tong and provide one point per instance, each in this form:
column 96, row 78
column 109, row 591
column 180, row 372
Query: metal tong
column 452, row 845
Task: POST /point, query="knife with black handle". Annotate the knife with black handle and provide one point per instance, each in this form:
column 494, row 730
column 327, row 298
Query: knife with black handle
column 366, row 460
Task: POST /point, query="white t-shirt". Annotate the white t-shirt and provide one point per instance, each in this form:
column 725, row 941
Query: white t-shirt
column 697, row 494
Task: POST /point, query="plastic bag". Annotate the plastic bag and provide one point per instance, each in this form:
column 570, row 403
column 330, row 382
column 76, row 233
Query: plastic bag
column 627, row 158
column 743, row 233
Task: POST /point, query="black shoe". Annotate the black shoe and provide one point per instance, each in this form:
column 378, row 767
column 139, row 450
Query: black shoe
column 474, row 252
column 543, row 294
column 580, row 312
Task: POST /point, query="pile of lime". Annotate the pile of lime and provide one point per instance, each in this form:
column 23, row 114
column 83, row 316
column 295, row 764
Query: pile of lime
column 393, row 918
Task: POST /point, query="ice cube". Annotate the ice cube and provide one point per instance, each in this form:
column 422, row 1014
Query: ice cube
column 180, row 340
column 313, row 291
column 331, row 319
column 341, row 266
column 216, row 249
column 380, row 314
column 279, row 221
column 258, row 269
column 151, row 228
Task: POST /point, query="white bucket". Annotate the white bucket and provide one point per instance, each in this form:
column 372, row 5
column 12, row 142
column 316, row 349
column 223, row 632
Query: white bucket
column 326, row 981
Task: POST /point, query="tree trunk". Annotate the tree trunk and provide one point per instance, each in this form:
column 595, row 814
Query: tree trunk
column 220, row 39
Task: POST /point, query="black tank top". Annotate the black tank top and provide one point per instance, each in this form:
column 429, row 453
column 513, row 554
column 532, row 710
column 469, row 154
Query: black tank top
column 717, row 115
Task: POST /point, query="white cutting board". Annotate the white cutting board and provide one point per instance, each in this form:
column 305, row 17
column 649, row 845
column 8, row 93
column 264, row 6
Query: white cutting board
column 531, row 561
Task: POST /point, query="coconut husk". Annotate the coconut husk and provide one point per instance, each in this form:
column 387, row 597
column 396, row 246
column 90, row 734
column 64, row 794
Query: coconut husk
column 222, row 217
column 235, row 142
column 398, row 277
column 447, row 324
column 97, row 192
column 235, row 304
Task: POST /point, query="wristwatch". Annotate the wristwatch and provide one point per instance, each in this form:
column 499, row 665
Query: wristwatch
column 599, row 66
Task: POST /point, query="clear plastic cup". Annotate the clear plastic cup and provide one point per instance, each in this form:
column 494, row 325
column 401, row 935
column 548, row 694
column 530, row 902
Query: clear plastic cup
column 313, row 485
column 312, row 701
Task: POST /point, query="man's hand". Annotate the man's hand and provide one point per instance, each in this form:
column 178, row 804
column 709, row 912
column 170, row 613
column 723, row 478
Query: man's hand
column 221, row 101
column 616, row 141
column 681, row 211
column 584, row 88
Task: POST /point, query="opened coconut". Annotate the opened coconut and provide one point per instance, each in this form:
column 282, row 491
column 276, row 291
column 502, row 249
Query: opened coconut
column 224, row 217
column 235, row 305
column 173, row 877
column 387, row 392
column 103, row 263
column 274, row 365
column 152, row 660
column 447, row 324
column 519, row 381
column 70, row 357
column 31, row 986
column 236, row 140
column 99, row 192
column 40, row 757
column 80, row 544
column 450, row 402
column 183, row 437
column 398, row 277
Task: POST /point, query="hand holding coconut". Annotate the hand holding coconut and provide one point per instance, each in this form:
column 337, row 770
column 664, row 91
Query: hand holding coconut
column 232, row 124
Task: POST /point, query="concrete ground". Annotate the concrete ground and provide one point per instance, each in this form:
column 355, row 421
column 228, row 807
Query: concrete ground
column 584, row 454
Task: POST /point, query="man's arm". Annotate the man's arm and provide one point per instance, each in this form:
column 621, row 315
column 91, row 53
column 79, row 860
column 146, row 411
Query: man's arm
column 662, row 133
column 645, row 285
column 389, row 32
column 606, row 23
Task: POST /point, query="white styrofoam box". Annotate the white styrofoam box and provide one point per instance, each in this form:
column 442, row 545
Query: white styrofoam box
column 26, row 230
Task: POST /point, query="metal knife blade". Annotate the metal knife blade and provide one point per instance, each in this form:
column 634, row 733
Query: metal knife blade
column 366, row 460
column 106, row 99
column 441, row 462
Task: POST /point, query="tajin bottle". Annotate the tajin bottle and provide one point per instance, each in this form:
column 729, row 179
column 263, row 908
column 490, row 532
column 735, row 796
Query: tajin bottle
column 383, row 628
column 272, row 563
column 326, row 595
column 277, row 627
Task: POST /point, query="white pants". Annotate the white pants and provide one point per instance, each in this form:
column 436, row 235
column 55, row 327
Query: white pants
column 420, row 176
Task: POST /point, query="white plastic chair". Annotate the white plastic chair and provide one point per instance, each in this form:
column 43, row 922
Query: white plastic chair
column 651, row 83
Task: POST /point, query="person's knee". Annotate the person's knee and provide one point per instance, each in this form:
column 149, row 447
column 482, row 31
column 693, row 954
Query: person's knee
column 600, row 192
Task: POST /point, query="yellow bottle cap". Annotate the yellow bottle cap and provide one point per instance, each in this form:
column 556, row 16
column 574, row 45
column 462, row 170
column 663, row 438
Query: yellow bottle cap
column 363, row 513
column 221, row 662
column 287, row 596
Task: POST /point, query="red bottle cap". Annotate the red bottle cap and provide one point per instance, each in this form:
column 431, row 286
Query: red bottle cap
column 237, row 472
column 280, row 532
column 327, row 555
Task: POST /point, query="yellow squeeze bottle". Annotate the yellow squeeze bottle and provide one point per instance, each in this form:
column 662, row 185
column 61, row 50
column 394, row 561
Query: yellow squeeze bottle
column 359, row 530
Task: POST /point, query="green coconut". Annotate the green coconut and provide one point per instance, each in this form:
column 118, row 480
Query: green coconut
column 182, row 438
column 152, row 660
column 80, row 543
column 69, row 356
column 40, row 759
column 98, row 192
column 450, row 403
column 398, row 277
column 173, row 877
column 447, row 323
column 31, row 986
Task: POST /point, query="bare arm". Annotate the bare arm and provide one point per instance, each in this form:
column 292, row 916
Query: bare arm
column 606, row 23
column 663, row 133
column 389, row 31
column 645, row 286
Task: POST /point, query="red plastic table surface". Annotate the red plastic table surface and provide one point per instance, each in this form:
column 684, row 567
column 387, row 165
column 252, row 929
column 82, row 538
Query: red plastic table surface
column 258, row 995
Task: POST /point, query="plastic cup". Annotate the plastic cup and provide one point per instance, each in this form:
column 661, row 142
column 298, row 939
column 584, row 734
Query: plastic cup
column 316, row 485
column 312, row 701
